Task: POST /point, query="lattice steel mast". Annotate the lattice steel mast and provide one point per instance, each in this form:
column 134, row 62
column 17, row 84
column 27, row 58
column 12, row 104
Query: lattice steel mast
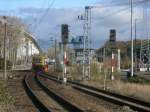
column 86, row 44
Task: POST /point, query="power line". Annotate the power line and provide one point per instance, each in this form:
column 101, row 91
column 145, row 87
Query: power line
column 113, row 4
column 35, row 18
column 115, row 13
column 124, row 9
column 43, row 5
column 43, row 16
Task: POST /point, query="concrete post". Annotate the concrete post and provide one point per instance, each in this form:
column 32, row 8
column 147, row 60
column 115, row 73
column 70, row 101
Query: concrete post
column 112, row 67
column 5, row 50
column 118, row 60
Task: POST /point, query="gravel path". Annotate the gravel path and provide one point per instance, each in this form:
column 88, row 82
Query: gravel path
column 22, row 101
column 88, row 103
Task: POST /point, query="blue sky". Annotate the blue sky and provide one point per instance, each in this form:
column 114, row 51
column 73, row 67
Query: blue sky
column 16, row 4
column 66, row 11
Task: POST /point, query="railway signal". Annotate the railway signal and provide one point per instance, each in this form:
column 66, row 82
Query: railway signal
column 112, row 35
column 64, row 33
column 65, row 37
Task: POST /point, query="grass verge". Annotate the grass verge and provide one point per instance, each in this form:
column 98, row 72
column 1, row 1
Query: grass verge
column 6, row 100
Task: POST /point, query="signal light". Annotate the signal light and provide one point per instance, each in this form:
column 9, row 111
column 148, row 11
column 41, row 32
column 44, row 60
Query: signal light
column 64, row 33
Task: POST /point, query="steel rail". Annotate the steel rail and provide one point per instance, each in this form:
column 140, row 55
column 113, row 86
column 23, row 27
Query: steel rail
column 38, row 104
column 59, row 99
column 115, row 98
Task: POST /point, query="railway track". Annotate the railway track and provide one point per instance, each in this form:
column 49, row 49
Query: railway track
column 38, row 104
column 66, row 106
column 115, row 98
column 62, row 101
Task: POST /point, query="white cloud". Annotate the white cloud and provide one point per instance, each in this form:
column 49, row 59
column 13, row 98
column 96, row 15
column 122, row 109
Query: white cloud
column 102, row 21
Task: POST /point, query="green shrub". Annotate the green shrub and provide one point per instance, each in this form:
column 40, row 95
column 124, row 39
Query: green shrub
column 76, row 71
column 138, row 80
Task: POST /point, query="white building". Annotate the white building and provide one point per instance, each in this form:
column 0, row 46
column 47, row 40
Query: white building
column 27, row 49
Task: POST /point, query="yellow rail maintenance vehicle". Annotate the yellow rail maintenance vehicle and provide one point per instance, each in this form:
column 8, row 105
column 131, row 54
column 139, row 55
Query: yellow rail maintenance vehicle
column 40, row 63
